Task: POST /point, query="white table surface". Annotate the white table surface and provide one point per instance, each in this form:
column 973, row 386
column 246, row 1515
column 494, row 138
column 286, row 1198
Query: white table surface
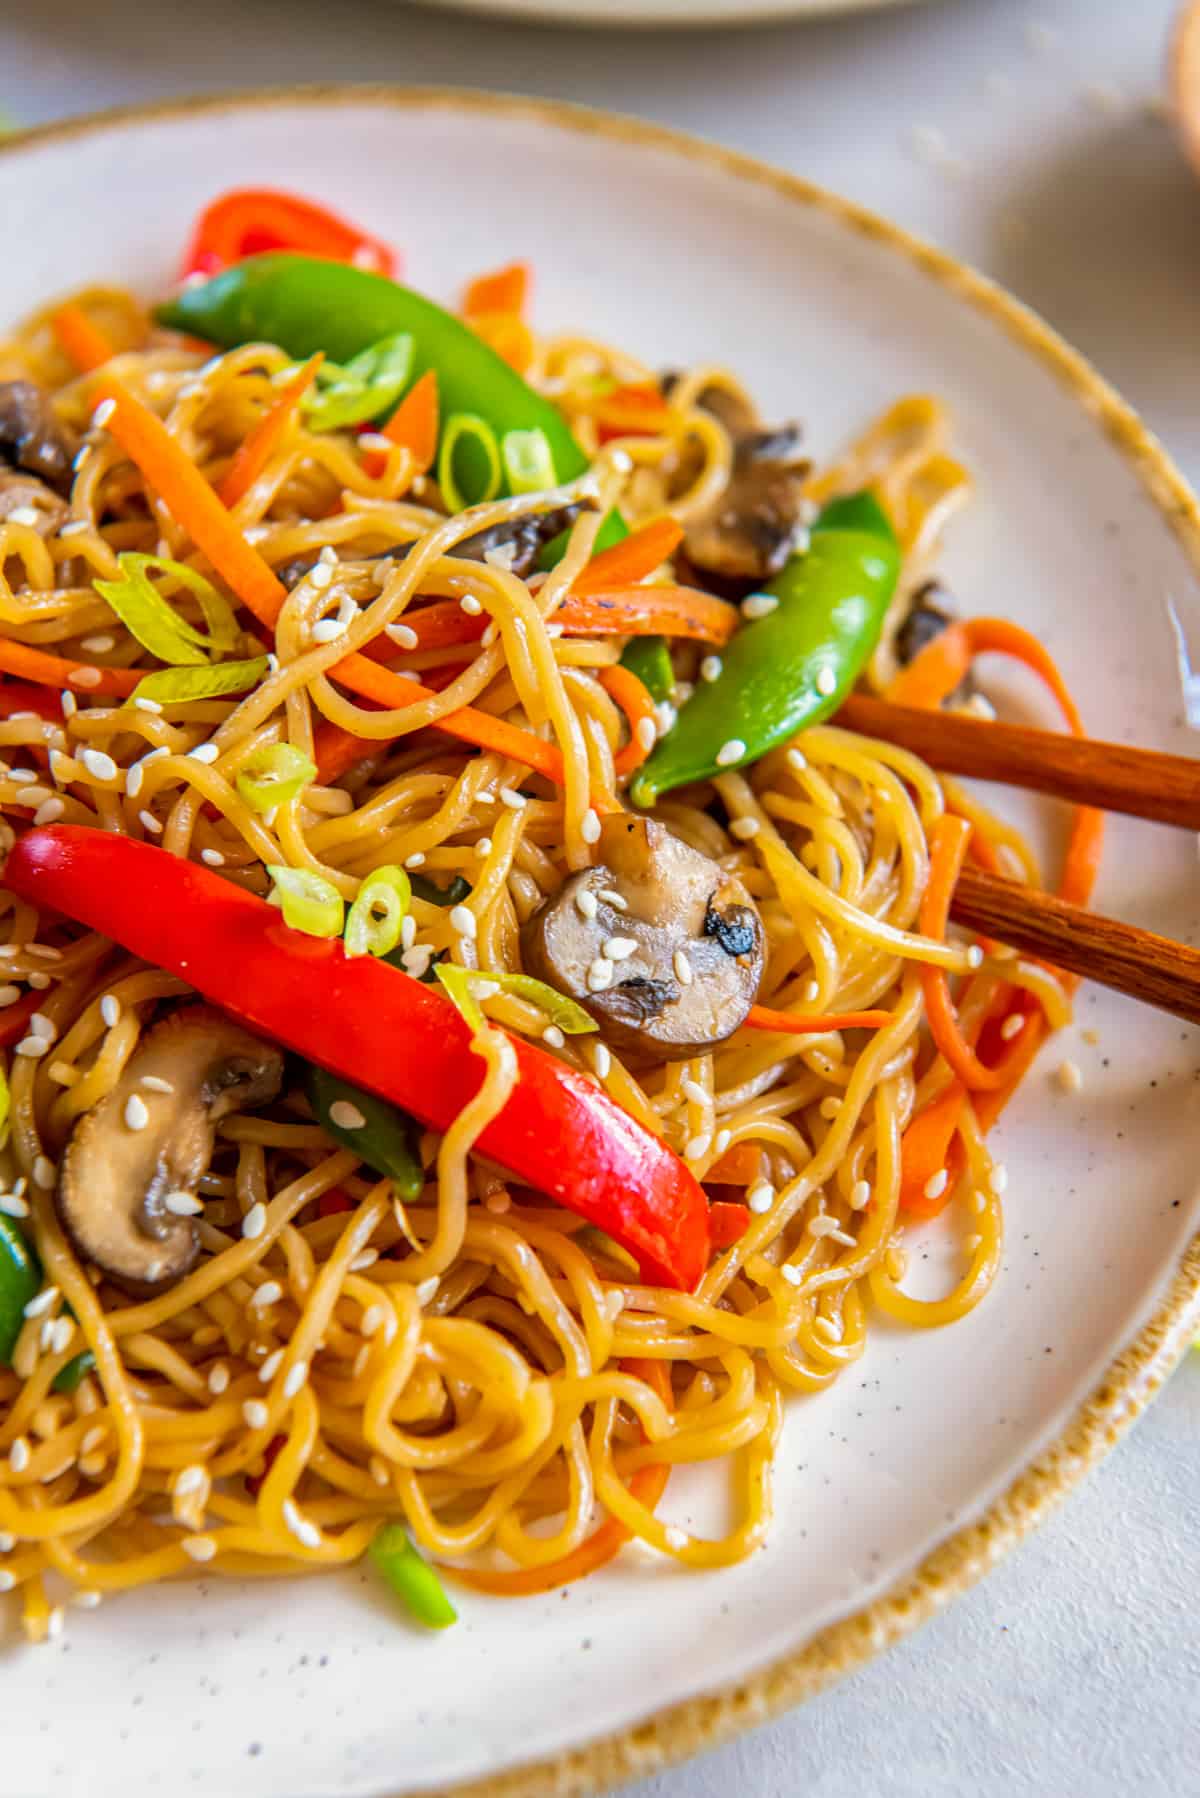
column 1025, row 139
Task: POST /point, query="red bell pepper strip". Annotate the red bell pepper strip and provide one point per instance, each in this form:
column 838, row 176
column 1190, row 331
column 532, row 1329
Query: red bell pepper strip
column 14, row 1019
column 248, row 220
column 559, row 1131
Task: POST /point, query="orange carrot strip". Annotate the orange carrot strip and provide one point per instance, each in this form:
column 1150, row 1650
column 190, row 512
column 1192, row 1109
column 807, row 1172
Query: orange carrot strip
column 632, row 559
column 740, row 1166
column 83, row 341
column 636, row 611
column 647, row 1484
column 935, row 671
column 414, row 424
column 728, row 1221
column 635, row 410
column 928, row 1147
column 504, row 290
column 254, row 454
column 508, row 335
column 59, row 671
column 798, row 1023
column 630, row 694
column 948, row 839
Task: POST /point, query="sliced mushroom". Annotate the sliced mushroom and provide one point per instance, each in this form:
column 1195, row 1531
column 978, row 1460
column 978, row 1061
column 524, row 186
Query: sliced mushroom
column 24, row 493
column 152, row 1137
column 924, row 621
column 681, row 913
column 751, row 529
column 524, row 537
column 33, row 437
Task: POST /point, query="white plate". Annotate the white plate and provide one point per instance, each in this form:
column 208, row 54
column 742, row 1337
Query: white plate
column 900, row 1484
column 681, row 13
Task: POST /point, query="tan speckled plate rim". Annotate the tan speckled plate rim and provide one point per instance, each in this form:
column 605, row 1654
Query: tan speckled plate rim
column 1142, row 1366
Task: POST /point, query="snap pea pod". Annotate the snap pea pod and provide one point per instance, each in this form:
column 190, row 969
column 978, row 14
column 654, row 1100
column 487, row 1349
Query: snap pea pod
column 650, row 659
column 385, row 1139
column 423, row 888
column 793, row 667
column 20, row 1280
column 304, row 304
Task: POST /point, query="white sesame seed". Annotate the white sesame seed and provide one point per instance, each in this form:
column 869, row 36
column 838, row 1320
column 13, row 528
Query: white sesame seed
column 110, row 1009
column 254, row 1223
column 722, row 1141
column 345, row 1115
column 416, row 859
column 39, row 982
column 50, row 810
column 149, row 822
column 98, row 764
column 684, row 972
column 971, row 1243
column 136, row 1114
column 730, row 752
column 143, row 704
column 9, row 995
column 978, row 1202
column 33, row 795
column 470, row 605
column 44, row 1173
column 821, row 1225
column 61, row 1332
column 692, row 1089
column 408, row 931
column 269, row 1293
column 860, row 1195
column 974, row 956
column 710, row 668
column 75, row 527
column 463, row 919
column 41, row 1025
column 85, row 677
column 843, row 1236
column 87, row 1599
column 600, row 976
column 8, row 1580
column 212, row 858
column 589, row 828
column 12, row 1206
column 295, row 1379
column 998, row 1178
column 93, row 1439
column 611, row 897
column 218, row 1380
column 304, row 1531
column 483, row 847
column 646, row 733
column 103, row 413
column 372, row 1320
column 937, row 1183
column 199, row 1548
column 204, row 752
column 675, row 1537
column 403, row 635
column 328, row 556
column 586, row 904
column 362, row 1261
column 255, row 1412
column 183, row 1204
column 620, row 948
column 98, row 645
column 553, row 1037
column 188, row 1479
column 55, row 1622
column 797, row 760
column 758, row 605
column 33, row 1047
column 41, row 1302
column 327, row 630
column 18, row 1455
column 514, row 800
column 744, row 829
column 761, row 1196
column 24, row 515
column 1012, row 1026
column 1070, row 1079
column 270, row 1367
column 697, row 1148
column 427, row 1290
column 321, row 576
column 792, row 1275
column 379, row 1471
column 22, row 775
column 417, row 959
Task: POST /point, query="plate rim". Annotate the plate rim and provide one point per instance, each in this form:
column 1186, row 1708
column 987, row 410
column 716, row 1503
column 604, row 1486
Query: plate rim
column 591, row 15
column 694, row 1725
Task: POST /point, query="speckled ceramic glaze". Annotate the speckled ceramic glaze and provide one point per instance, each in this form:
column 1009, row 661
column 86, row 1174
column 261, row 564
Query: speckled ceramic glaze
column 928, row 1458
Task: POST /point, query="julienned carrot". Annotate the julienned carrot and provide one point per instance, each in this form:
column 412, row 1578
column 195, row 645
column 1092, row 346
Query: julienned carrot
column 253, row 455
column 647, row 1485
column 624, row 612
column 83, row 341
column 632, row 559
column 59, row 671
column 930, row 1146
column 414, row 424
column 631, row 695
column 728, row 1221
column 1002, row 637
column 948, row 840
column 934, row 673
column 504, row 290
column 636, row 410
column 802, row 1023
column 740, row 1166
column 508, row 335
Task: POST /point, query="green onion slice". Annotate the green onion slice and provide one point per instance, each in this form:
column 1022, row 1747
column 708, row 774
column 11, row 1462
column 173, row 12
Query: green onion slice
column 571, row 1019
column 373, row 926
column 272, row 775
column 369, row 384
column 176, row 686
column 458, row 983
column 309, row 903
column 478, row 457
column 150, row 617
column 528, row 461
column 411, row 1577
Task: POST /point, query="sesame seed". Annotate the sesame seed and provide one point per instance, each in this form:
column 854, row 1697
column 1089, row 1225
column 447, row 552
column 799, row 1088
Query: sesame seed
column 1070, row 1079
column 843, row 1236
column 998, row 1178
column 296, row 1377
column 44, row 1173
column 416, row 859
column 971, row 1243
column 99, row 645
column 149, row 822
column 33, row 1047
column 860, row 1195
column 710, row 668
column 22, row 775
column 408, row 931
column 41, row 1302
column 269, row 1293
column 372, row 1320
column 730, row 752
column 821, row 1225
column 61, row 1333
column 12, row 1206
column 50, row 811
column 199, row 1548
column 646, row 733
column 600, row 976
column 110, row 1009
column 9, row 995
column 744, row 829
column 345, row 1115
column 142, row 704
column 483, row 847
column 759, row 605
column 427, row 1290
column 33, row 795
column 698, row 1147
column 327, row 630
column 589, row 828
column 75, row 527
column 98, row 764
column 379, row 1471
column 797, row 760
column 41, row 1025
column 254, row 1223
column 93, row 1439
column 256, row 1413
column 692, row 1089
column 812, row 992
column 620, row 948
column 611, row 897
column 403, row 635
column 204, row 752
column 722, row 1141
column 417, row 959
column 1012, row 1026
column 463, row 919
column 937, row 1183
column 792, row 1275
column 182, row 1204
column 103, row 413
column 675, row 1537
column 684, row 973
column 514, row 800
column 270, row 1367
column 470, row 605
column 328, row 556
column 137, row 1116
column 189, row 1479
column 218, row 1380
column 974, row 956
column 586, row 904
column 553, row 1037
column 320, row 577
column 85, row 677
column 761, row 1196
column 362, row 1261
column 304, row 1531
column 8, row 1580
column 978, row 1202
column 87, row 1599
column 55, row 1621
column 18, row 1455
column 39, row 982
column 212, row 858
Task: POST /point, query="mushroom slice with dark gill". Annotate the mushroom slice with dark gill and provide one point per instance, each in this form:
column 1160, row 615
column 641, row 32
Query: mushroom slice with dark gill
column 681, row 938
column 753, row 526
column 151, row 1137
column 517, row 541
column 32, row 436
column 925, row 618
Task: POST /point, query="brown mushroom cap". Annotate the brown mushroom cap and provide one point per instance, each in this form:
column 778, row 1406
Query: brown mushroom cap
column 33, row 437
column 115, row 1178
column 678, row 902
column 752, row 527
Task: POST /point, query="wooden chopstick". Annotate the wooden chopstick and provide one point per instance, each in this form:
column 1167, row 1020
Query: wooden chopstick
column 1138, row 963
column 1144, row 783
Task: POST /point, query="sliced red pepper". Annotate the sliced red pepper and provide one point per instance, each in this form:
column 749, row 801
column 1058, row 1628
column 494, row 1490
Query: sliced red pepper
column 14, row 1019
column 247, row 220
column 728, row 1219
column 559, row 1130
column 25, row 696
